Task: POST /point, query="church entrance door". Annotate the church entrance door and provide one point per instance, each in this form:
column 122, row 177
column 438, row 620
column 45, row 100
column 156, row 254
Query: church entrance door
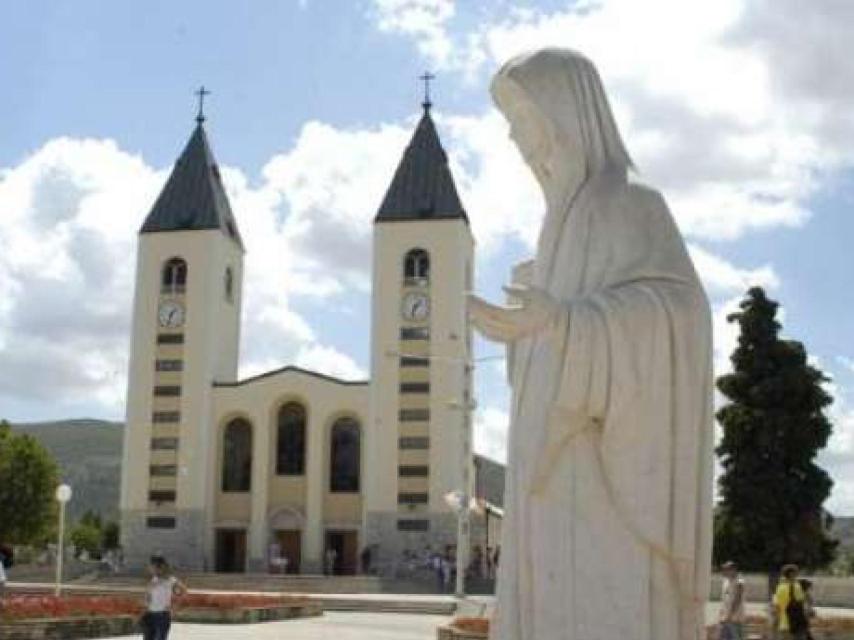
column 346, row 551
column 231, row 550
column 290, row 543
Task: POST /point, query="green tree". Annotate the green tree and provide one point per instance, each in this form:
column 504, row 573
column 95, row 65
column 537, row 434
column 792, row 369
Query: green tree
column 774, row 425
column 86, row 536
column 28, row 480
column 89, row 534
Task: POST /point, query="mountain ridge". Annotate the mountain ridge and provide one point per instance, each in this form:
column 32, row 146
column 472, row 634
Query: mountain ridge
column 89, row 454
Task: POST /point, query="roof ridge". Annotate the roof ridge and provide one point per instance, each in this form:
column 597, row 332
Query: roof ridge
column 291, row 368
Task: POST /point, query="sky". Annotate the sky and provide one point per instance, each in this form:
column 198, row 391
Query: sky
column 739, row 112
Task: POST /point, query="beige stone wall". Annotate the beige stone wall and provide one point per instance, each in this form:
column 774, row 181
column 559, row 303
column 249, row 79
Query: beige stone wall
column 451, row 248
column 306, row 498
column 210, row 397
column 209, row 352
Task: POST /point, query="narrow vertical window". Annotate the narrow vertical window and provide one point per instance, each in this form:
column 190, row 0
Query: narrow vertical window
column 345, row 456
column 237, row 456
column 290, row 448
column 229, row 284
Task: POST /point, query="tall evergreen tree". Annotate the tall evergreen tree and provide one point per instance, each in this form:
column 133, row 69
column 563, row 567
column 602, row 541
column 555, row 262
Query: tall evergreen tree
column 774, row 425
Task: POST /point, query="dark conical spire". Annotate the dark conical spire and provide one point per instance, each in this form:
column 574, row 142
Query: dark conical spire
column 194, row 197
column 423, row 187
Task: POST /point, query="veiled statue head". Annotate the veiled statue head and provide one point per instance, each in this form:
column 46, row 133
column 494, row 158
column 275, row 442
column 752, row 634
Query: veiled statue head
column 559, row 116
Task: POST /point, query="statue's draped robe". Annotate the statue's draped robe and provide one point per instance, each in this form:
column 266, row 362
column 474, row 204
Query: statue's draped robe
column 609, row 488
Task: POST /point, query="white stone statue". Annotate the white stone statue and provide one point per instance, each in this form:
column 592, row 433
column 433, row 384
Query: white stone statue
column 609, row 486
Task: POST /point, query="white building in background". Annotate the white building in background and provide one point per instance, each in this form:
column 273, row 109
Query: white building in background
column 232, row 475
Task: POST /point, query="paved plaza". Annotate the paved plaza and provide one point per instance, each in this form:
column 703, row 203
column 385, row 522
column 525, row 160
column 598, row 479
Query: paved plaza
column 331, row 626
column 335, row 625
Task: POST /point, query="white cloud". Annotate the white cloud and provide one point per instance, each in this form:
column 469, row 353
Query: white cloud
column 730, row 108
column 498, row 190
column 423, row 20
column 69, row 216
column 490, row 433
column 330, row 361
column 723, row 278
column 66, row 271
column 725, row 334
column 330, row 185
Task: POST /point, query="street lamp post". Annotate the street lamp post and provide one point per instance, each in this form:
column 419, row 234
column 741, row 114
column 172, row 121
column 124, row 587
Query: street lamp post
column 63, row 495
column 462, row 497
column 467, row 406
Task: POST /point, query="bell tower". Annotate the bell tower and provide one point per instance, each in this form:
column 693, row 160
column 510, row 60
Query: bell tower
column 185, row 336
column 423, row 253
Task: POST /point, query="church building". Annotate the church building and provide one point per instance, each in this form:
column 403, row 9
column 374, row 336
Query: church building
column 272, row 471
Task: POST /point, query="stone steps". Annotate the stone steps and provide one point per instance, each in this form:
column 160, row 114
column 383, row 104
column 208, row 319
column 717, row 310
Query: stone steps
column 262, row 582
column 436, row 606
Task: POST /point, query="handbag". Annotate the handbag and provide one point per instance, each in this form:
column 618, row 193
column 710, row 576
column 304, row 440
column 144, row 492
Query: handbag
column 796, row 613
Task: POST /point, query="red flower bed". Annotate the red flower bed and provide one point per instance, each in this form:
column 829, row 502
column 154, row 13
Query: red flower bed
column 472, row 625
column 23, row 607
column 233, row 601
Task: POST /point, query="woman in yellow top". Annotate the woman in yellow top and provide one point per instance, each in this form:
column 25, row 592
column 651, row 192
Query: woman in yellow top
column 790, row 606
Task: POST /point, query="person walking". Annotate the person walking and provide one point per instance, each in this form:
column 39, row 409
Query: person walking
column 809, row 605
column 790, row 606
column 365, row 559
column 330, row 559
column 157, row 618
column 2, row 575
column 732, row 614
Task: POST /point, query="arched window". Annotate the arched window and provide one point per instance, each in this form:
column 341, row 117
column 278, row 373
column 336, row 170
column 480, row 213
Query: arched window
column 416, row 266
column 237, row 456
column 229, row 284
column 174, row 278
column 345, row 456
column 290, row 448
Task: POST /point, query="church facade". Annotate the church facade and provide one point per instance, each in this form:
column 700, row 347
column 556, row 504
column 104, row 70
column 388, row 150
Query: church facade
column 273, row 471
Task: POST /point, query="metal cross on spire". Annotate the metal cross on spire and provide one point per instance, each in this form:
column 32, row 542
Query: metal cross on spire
column 427, row 77
column 201, row 92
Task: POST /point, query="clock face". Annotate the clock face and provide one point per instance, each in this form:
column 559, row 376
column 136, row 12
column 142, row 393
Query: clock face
column 171, row 315
column 416, row 306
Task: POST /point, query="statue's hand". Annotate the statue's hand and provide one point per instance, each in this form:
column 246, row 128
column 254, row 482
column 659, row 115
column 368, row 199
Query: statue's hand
column 537, row 309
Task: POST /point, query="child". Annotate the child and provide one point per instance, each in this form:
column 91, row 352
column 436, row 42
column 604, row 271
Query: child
column 158, row 599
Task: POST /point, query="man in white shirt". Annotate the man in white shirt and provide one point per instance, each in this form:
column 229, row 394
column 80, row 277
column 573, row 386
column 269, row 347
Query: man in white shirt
column 732, row 612
column 162, row 586
column 3, row 560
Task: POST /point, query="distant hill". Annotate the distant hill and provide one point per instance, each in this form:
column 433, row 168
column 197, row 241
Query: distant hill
column 843, row 530
column 89, row 453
